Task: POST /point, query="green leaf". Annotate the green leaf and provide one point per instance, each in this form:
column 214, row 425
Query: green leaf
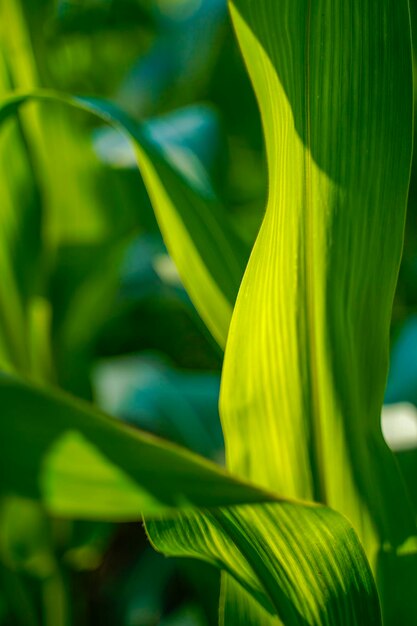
column 86, row 465
column 305, row 386
column 306, row 359
column 237, row 606
column 302, row 564
column 42, row 153
column 209, row 255
column 300, row 561
column 97, row 471
column 19, row 238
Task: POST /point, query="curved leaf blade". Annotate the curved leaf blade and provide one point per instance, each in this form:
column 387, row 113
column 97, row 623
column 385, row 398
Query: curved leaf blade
column 303, row 565
column 87, row 465
column 318, row 290
column 209, row 255
column 298, row 560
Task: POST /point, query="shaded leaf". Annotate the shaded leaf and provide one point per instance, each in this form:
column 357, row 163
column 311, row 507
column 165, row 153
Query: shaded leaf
column 86, row 465
column 209, row 255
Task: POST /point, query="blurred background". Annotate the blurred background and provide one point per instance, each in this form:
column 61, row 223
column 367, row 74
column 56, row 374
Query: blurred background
column 109, row 318
column 111, row 321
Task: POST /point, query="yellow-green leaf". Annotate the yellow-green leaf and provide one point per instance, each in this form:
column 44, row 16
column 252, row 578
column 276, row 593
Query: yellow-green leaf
column 306, row 360
column 301, row 563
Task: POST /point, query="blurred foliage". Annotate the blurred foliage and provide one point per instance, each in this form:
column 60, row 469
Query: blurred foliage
column 108, row 316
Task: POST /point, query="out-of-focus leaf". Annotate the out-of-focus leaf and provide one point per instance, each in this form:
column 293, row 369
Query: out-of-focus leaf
column 84, row 277
column 178, row 406
column 148, row 270
column 51, row 193
column 307, row 354
column 169, row 70
column 73, row 17
column 209, row 255
column 26, row 549
column 188, row 615
column 141, row 591
column 20, row 239
column 24, row 538
column 191, row 138
column 84, row 543
column 55, row 147
column 83, row 288
column 18, row 604
column 151, row 311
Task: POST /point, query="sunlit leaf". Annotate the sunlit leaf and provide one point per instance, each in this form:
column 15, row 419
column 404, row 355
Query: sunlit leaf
column 294, row 341
column 300, row 563
column 306, row 359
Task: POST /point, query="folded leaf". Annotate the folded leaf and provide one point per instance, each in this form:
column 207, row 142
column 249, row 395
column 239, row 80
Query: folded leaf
column 209, row 255
column 302, row 564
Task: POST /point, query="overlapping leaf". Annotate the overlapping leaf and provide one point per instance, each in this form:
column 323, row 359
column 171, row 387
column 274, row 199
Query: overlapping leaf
column 300, row 562
column 50, row 196
column 306, row 360
column 84, row 464
column 302, row 389
column 263, row 548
